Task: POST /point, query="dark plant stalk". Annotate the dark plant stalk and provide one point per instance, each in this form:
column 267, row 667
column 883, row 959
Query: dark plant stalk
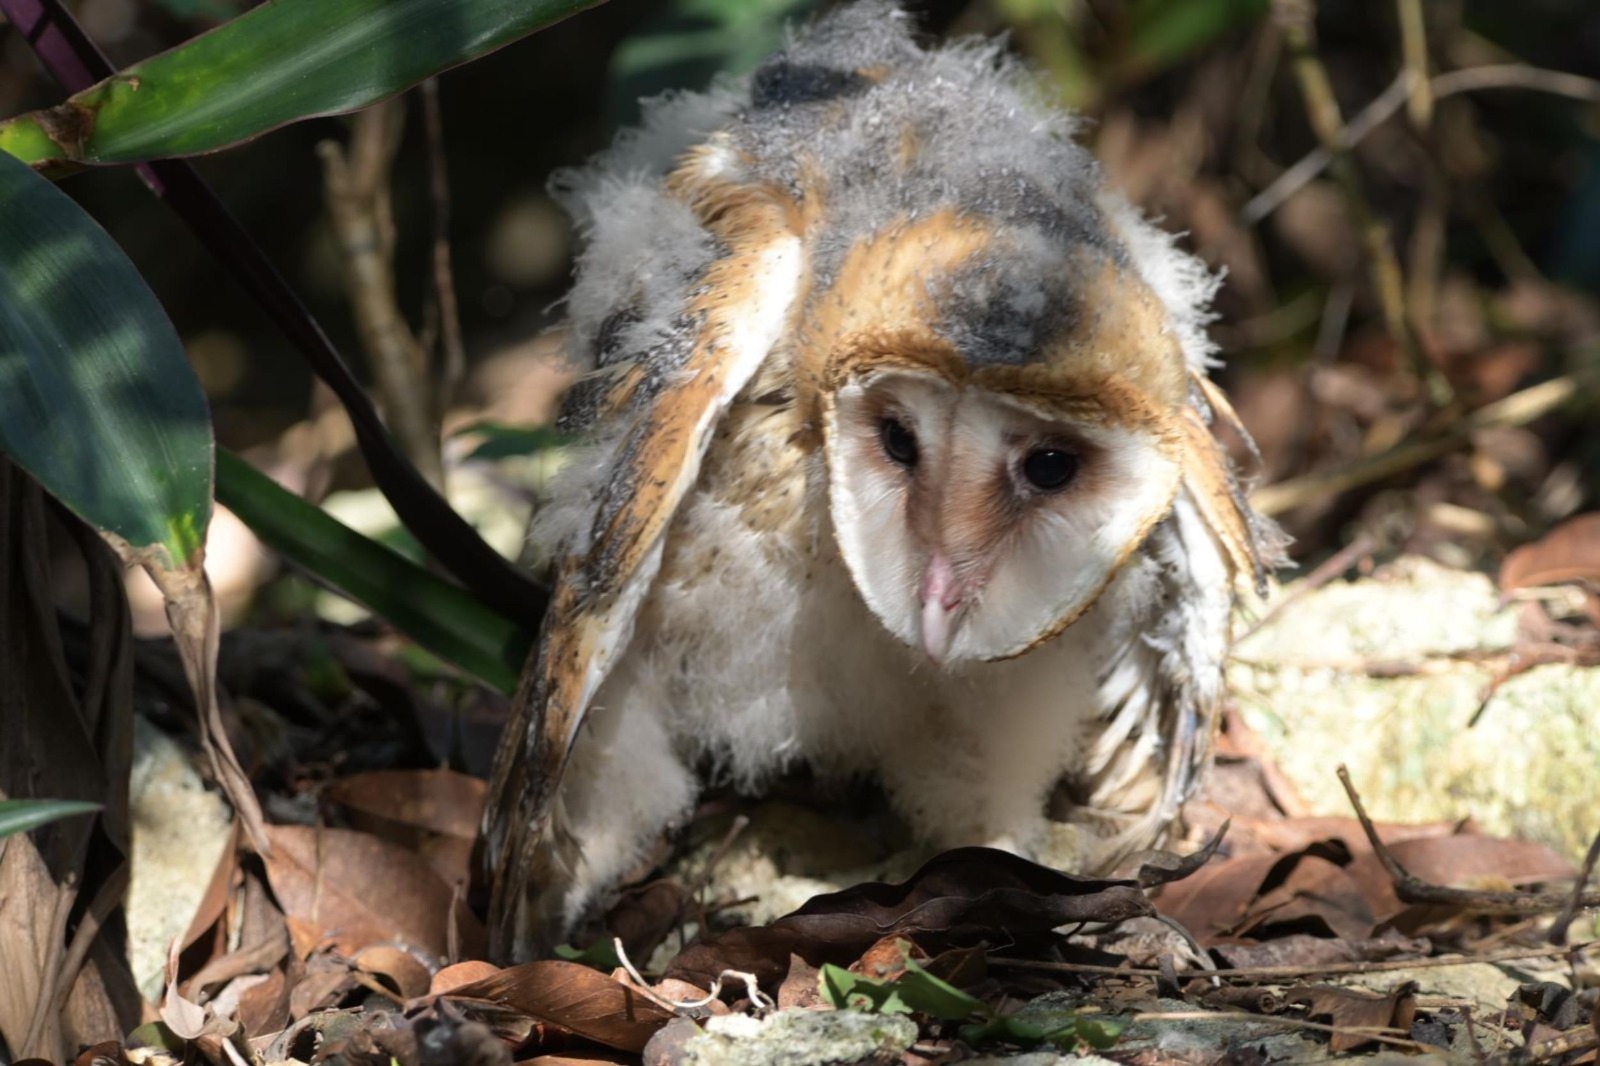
column 76, row 63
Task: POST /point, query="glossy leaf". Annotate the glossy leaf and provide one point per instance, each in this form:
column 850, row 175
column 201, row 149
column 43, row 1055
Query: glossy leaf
column 21, row 815
column 439, row 616
column 97, row 400
column 277, row 63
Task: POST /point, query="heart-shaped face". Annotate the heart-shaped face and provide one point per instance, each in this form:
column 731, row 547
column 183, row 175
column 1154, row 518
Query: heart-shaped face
column 976, row 524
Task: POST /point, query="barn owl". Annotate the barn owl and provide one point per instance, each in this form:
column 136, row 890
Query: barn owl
column 897, row 461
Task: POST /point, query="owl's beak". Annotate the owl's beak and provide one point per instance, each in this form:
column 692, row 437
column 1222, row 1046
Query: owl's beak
column 943, row 601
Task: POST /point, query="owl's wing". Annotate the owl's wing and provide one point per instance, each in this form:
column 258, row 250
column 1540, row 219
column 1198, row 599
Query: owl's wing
column 1163, row 686
column 736, row 311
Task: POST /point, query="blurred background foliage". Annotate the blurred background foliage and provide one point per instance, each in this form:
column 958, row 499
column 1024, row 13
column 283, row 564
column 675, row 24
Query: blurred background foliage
column 1193, row 106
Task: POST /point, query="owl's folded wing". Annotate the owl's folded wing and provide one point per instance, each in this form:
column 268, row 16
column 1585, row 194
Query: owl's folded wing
column 737, row 310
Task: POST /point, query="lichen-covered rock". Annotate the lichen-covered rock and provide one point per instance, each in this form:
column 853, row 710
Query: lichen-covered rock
column 180, row 829
column 1370, row 673
column 787, row 1038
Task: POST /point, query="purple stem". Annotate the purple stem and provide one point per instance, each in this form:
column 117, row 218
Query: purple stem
column 76, row 63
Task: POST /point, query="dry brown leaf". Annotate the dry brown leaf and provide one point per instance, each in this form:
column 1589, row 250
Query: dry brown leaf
column 1258, row 895
column 1351, row 1008
column 462, row 973
column 432, row 812
column 403, row 971
column 957, row 898
column 350, row 890
column 574, row 998
column 1569, row 552
column 799, row 987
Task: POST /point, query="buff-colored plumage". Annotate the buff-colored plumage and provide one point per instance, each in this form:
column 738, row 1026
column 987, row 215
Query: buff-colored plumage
column 897, row 461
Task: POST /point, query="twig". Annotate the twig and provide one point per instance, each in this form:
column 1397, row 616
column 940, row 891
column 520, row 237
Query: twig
column 1333, row 567
column 107, row 898
column 1412, row 889
column 1314, row 162
column 454, row 365
column 357, row 188
column 1382, row 1033
column 1295, row 18
column 1273, row 973
column 1546, row 1050
column 1386, row 103
column 1558, row 930
column 1518, row 409
column 45, row 1005
column 1414, row 46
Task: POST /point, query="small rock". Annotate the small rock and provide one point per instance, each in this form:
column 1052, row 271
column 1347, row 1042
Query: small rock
column 787, row 1038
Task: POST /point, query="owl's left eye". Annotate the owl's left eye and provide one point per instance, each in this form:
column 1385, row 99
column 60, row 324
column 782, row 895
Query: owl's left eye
column 899, row 443
column 1048, row 469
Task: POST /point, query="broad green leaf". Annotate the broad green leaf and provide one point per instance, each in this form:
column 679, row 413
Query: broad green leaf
column 437, row 615
column 97, row 400
column 600, row 955
column 685, row 43
column 1046, row 1021
column 277, row 63
column 914, row 991
column 503, row 441
column 21, row 815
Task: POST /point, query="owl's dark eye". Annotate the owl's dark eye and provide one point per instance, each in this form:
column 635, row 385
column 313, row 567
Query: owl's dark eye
column 899, row 443
column 1049, row 469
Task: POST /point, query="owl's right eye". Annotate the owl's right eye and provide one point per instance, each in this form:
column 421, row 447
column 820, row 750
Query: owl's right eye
column 899, row 443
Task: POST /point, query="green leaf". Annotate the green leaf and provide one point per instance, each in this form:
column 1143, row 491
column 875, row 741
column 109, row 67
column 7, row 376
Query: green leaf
column 851, row 991
column 1045, row 1021
column 916, row 991
column 277, row 63
column 503, row 441
column 439, row 616
column 21, row 815
column 600, row 955
column 97, row 400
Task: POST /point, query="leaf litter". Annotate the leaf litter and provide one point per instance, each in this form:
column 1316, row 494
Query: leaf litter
column 1283, row 936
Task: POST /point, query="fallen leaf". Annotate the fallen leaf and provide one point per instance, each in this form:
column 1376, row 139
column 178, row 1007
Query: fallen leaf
column 1463, row 860
column 351, row 890
column 574, row 998
column 1263, row 895
column 462, row 973
column 432, row 812
column 1351, row 1008
column 958, row 898
column 799, row 987
column 1569, row 552
column 401, row 970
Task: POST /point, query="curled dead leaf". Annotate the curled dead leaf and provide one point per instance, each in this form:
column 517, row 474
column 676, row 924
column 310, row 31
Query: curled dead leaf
column 958, row 898
column 1569, row 552
column 352, row 890
column 574, row 998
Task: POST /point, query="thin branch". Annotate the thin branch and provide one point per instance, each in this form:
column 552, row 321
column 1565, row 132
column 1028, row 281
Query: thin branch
column 1384, row 106
column 1381, row 1033
column 1414, row 47
column 1558, row 931
column 1412, row 889
column 1334, row 566
column 1518, row 409
column 448, row 311
column 1276, row 973
column 356, row 184
column 1295, row 18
